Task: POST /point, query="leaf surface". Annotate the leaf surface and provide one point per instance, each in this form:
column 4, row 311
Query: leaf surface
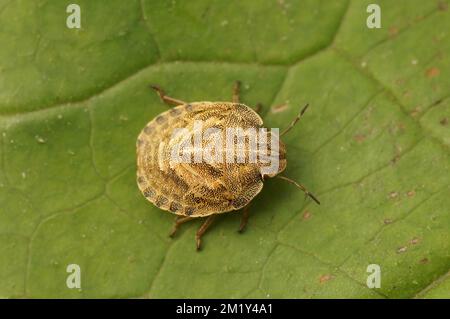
column 373, row 146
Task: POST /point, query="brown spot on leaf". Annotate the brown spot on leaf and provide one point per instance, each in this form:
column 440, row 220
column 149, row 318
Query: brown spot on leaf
column 415, row 112
column 402, row 249
column 444, row 121
column 387, row 221
column 400, row 127
column 411, row 193
column 393, row 31
column 359, row 138
column 325, row 278
column 414, row 241
column 279, row 108
column 393, row 194
column 432, row 72
column 306, row 215
column 398, row 153
column 442, row 5
column 423, row 261
column 395, row 159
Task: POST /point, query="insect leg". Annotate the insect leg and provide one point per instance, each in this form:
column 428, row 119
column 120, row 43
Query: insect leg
column 202, row 230
column 244, row 218
column 258, row 108
column 166, row 99
column 178, row 221
column 236, row 92
column 303, row 188
column 297, row 118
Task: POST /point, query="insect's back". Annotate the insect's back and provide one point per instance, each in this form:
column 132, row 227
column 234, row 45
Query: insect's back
column 195, row 188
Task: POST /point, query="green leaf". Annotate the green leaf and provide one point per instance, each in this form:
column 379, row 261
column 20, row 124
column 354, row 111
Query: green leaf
column 373, row 146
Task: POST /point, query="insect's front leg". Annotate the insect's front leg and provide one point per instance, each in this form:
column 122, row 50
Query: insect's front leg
column 166, row 99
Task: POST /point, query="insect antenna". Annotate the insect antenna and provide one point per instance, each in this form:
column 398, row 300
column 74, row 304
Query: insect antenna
column 303, row 188
column 297, row 118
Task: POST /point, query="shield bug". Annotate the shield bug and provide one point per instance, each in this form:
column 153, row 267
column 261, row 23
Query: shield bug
column 188, row 162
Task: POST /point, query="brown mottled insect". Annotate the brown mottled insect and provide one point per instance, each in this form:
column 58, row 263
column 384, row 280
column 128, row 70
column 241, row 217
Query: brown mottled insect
column 201, row 189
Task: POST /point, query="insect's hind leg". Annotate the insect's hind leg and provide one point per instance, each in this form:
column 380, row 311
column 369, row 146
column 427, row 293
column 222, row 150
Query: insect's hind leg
column 166, row 99
column 178, row 221
column 244, row 218
column 201, row 231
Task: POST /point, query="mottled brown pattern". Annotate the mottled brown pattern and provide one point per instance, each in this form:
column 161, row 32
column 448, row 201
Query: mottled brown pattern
column 174, row 207
column 197, row 189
